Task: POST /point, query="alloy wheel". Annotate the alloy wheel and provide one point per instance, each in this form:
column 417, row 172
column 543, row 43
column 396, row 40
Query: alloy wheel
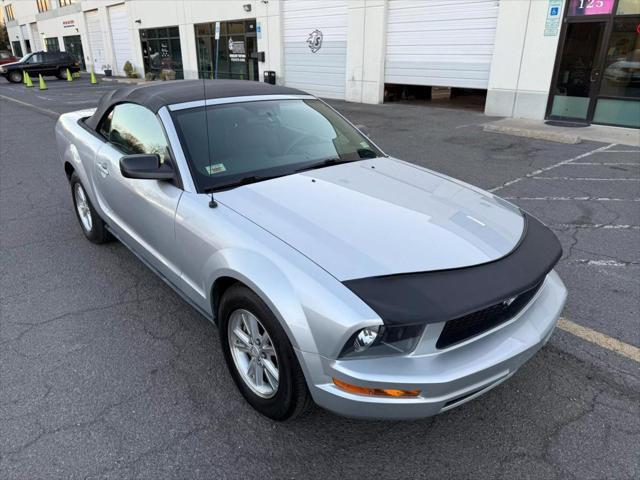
column 82, row 206
column 253, row 352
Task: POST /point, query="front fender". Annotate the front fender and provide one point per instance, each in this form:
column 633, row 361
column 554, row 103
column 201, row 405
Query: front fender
column 269, row 282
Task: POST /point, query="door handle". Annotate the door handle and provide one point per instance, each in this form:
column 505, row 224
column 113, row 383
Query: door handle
column 594, row 75
column 104, row 170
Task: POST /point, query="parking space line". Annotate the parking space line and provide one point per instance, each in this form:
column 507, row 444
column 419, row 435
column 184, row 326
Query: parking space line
column 606, row 164
column 623, row 151
column 600, row 226
column 605, row 341
column 588, row 179
column 45, row 111
column 603, row 263
column 551, row 167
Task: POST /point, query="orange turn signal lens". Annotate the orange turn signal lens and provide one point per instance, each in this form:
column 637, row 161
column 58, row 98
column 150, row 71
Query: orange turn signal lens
column 380, row 392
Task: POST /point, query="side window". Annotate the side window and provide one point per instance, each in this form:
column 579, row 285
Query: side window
column 105, row 126
column 135, row 129
column 36, row 58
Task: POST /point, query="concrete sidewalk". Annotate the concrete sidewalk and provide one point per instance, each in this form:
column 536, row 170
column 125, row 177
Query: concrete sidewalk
column 540, row 130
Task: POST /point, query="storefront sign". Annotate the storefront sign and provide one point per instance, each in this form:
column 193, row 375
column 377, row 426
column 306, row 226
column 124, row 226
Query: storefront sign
column 579, row 8
column 68, row 23
column 554, row 15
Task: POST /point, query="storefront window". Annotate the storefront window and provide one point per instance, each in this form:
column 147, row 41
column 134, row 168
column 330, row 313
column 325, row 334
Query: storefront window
column 52, row 44
column 236, row 50
column 621, row 76
column 17, row 48
column 628, row 7
column 162, row 53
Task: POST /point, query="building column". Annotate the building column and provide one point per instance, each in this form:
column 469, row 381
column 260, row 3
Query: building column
column 523, row 60
column 366, row 40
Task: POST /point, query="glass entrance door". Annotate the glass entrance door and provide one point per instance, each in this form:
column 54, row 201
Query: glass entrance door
column 577, row 77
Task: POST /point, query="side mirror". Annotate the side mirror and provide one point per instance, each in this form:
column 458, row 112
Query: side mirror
column 145, row 167
column 363, row 129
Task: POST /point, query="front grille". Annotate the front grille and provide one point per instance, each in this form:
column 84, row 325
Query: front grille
column 463, row 328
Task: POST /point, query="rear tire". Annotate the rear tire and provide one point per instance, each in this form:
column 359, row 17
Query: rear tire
column 15, row 76
column 291, row 397
column 92, row 225
column 62, row 73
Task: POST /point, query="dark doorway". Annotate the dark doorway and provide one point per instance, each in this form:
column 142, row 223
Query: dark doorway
column 73, row 45
column 27, row 45
column 17, row 49
column 575, row 88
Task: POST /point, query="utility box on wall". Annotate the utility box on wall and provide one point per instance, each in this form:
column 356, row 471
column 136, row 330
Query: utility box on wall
column 269, row 77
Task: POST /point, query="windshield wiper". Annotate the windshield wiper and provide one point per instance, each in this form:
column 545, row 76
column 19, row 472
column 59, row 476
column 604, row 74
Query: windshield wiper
column 327, row 162
column 242, row 181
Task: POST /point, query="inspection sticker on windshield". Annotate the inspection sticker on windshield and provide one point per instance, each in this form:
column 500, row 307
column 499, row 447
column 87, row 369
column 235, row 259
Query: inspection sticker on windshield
column 215, row 168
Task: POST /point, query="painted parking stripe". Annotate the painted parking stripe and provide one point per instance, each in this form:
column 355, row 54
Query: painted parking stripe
column 605, row 341
column 45, row 111
column 587, row 179
column 596, row 226
column 551, row 167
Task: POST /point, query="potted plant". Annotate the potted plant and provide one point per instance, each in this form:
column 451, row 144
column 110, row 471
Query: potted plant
column 107, row 70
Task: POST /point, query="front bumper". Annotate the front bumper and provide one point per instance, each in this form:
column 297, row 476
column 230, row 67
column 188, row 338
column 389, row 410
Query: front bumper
column 446, row 378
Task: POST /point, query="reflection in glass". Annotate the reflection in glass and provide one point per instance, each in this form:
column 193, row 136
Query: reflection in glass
column 628, row 7
column 621, row 74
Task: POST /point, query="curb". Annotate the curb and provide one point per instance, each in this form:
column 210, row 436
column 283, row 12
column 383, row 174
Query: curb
column 536, row 134
column 127, row 81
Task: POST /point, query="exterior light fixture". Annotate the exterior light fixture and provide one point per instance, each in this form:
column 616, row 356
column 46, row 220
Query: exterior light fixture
column 138, row 21
column 247, row 7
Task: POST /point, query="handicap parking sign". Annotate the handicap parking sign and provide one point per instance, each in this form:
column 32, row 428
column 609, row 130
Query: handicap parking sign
column 554, row 11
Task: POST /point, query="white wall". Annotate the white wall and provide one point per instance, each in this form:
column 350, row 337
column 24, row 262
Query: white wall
column 523, row 61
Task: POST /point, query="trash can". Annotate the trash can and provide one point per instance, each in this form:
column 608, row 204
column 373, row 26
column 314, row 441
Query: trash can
column 270, row 77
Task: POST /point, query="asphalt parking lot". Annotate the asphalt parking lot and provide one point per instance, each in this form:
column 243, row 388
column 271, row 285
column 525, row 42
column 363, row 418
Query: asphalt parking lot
column 106, row 373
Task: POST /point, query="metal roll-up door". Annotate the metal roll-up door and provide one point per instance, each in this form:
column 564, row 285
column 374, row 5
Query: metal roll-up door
column 315, row 46
column 96, row 43
column 446, row 43
column 122, row 46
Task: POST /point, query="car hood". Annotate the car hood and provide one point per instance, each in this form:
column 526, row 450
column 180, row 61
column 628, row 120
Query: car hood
column 381, row 217
column 10, row 64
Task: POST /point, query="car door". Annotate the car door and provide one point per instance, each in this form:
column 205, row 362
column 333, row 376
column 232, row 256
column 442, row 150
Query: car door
column 141, row 212
column 34, row 65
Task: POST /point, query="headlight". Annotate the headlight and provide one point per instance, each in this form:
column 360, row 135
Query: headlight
column 2, row 70
column 381, row 340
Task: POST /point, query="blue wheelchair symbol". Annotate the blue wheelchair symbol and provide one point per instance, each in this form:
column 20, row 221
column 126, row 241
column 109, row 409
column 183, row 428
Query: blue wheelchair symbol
column 554, row 11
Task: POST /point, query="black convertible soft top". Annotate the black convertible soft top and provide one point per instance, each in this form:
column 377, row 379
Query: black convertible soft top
column 156, row 95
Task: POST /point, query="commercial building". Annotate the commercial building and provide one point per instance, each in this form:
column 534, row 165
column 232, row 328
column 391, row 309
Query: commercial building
column 563, row 60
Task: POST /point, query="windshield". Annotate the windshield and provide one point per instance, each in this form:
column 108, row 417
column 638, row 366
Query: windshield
column 252, row 141
column 26, row 57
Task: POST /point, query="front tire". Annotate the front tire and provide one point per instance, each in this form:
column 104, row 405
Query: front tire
column 260, row 357
column 92, row 225
column 15, row 76
column 62, row 74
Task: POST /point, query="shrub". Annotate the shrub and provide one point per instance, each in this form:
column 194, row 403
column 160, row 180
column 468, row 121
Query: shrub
column 128, row 69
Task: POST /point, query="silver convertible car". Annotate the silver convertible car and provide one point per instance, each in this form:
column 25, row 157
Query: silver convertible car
column 335, row 273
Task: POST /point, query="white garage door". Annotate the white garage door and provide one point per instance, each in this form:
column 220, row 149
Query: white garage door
column 96, row 43
column 315, row 46
column 440, row 42
column 122, row 48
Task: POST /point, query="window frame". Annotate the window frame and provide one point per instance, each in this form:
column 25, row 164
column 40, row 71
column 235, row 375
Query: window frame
column 108, row 116
column 8, row 10
column 43, row 6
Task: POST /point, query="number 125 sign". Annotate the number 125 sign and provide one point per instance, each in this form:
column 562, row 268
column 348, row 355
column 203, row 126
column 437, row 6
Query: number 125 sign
column 590, row 7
